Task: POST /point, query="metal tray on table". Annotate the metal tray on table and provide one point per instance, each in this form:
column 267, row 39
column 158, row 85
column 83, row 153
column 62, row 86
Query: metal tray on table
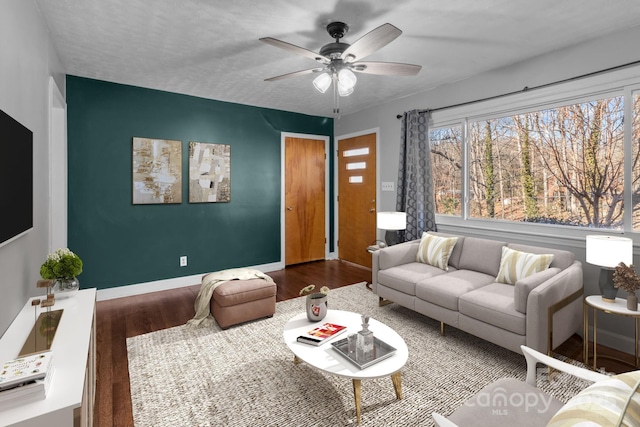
column 381, row 351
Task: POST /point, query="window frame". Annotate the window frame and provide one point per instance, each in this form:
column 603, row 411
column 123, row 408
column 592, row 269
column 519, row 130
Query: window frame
column 622, row 82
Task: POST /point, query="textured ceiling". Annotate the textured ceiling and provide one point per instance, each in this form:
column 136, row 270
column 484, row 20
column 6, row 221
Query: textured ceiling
column 210, row 48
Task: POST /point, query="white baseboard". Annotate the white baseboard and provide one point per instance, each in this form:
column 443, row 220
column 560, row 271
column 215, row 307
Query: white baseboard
column 166, row 284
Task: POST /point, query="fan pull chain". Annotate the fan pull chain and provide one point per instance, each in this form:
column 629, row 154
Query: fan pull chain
column 336, row 97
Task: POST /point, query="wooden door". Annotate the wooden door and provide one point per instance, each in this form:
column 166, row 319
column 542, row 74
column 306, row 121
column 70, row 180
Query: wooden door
column 356, row 198
column 305, row 163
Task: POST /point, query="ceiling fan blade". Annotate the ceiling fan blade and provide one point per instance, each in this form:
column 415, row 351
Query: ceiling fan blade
column 371, row 42
column 295, row 49
column 294, row 74
column 385, row 68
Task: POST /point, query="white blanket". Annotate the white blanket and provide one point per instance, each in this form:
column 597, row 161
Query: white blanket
column 210, row 282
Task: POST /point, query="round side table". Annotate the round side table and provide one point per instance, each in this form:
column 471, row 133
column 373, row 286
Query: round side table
column 618, row 308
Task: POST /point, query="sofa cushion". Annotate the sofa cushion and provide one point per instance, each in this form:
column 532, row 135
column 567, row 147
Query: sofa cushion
column 494, row 304
column 602, row 403
column 561, row 259
column 516, row 265
column 435, row 250
column 525, row 286
column 404, row 278
column 444, row 290
column 482, row 255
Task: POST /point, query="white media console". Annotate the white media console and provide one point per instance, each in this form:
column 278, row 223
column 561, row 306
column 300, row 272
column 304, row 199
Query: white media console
column 71, row 394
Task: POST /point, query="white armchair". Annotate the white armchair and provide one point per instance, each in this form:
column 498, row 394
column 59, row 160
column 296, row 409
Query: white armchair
column 611, row 400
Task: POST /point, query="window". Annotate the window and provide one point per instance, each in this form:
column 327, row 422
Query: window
column 356, row 152
column 446, row 163
column 565, row 155
column 635, row 149
column 562, row 165
column 356, row 166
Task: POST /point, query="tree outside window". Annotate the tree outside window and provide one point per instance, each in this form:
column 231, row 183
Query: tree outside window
column 557, row 166
column 446, row 164
column 560, row 165
column 635, row 149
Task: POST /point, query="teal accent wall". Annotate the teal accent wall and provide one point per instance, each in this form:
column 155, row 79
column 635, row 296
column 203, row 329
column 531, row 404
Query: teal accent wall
column 121, row 243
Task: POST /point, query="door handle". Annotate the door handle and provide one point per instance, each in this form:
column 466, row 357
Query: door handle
column 289, row 208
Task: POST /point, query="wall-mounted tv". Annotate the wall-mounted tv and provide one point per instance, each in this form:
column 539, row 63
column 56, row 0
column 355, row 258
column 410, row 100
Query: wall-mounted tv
column 16, row 178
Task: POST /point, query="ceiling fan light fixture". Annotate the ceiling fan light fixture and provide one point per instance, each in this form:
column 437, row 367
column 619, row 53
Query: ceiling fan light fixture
column 347, row 79
column 344, row 91
column 341, row 59
column 346, row 82
column 322, row 82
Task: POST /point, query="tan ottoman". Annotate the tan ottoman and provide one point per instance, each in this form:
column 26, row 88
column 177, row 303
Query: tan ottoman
column 238, row 301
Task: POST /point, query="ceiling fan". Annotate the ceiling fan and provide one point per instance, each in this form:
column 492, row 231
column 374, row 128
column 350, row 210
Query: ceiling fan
column 340, row 60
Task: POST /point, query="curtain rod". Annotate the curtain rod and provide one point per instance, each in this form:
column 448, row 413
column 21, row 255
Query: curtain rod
column 527, row 89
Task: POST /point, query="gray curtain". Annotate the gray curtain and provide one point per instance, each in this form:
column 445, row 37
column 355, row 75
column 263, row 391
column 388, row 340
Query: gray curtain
column 415, row 184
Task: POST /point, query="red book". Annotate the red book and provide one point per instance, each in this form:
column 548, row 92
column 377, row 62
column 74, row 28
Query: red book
column 322, row 334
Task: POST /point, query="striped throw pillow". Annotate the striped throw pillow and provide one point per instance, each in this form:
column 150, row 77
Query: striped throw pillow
column 435, row 250
column 516, row 265
column 611, row 402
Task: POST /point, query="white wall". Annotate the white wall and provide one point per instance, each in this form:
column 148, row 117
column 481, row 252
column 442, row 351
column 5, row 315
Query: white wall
column 588, row 57
column 28, row 60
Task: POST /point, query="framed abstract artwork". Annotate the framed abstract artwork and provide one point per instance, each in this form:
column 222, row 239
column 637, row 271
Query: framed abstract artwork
column 157, row 171
column 209, row 172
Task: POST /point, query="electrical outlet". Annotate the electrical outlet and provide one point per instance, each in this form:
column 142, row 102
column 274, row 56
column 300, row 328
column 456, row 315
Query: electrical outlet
column 387, row 186
column 183, row 261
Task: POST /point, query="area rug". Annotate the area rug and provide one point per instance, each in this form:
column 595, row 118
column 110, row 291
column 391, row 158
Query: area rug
column 245, row 375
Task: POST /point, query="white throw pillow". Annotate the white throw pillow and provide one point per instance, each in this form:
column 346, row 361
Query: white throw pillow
column 435, row 250
column 610, row 402
column 516, row 265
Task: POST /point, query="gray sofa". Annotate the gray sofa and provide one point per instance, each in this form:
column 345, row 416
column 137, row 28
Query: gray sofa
column 540, row 311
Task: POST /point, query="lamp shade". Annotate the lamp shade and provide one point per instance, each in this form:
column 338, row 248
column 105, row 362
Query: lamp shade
column 322, row 82
column 609, row 251
column 346, row 82
column 344, row 91
column 347, row 79
column 392, row 220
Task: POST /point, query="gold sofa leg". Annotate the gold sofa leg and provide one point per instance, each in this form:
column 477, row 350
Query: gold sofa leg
column 382, row 302
column 442, row 328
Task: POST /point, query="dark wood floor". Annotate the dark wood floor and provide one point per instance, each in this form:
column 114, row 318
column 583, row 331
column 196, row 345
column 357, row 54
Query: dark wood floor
column 122, row 318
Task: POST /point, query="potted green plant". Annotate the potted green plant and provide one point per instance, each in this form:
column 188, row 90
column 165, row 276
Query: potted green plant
column 625, row 277
column 317, row 305
column 63, row 267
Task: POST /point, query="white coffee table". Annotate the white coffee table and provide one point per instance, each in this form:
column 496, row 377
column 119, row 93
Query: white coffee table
column 328, row 359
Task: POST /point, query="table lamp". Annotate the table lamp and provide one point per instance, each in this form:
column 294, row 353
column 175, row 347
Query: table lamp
column 392, row 222
column 607, row 252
